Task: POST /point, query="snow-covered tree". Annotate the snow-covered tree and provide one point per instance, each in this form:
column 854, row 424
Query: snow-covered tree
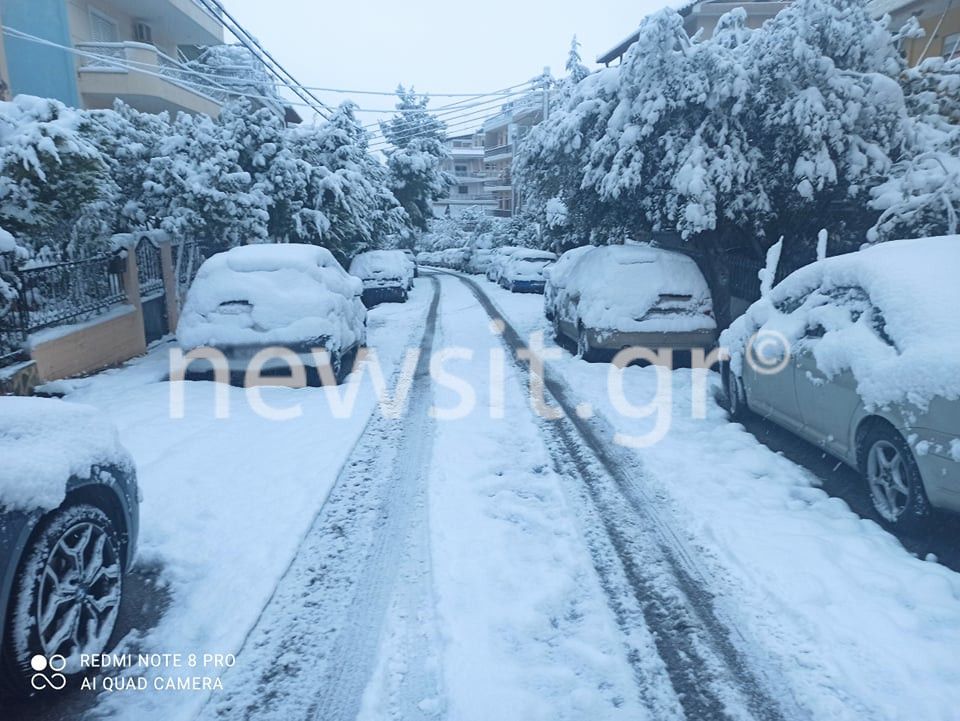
column 415, row 162
column 200, row 189
column 127, row 139
column 748, row 133
column 11, row 254
column 922, row 194
column 349, row 205
column 55, row 188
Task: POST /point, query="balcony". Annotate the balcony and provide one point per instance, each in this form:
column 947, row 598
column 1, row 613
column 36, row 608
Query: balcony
column 186, row 22
column 144, row 78
column 498, row 153
column 501, row 182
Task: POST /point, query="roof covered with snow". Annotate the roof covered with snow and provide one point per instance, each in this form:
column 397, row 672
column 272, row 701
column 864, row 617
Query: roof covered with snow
column 272, row 294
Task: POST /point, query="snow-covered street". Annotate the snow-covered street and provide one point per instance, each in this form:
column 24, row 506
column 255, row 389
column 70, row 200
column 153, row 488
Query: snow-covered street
column 468, row 558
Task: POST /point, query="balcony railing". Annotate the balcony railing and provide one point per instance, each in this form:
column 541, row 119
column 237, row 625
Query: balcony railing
column 471, row 197
column 127, row 57
column 498, row 151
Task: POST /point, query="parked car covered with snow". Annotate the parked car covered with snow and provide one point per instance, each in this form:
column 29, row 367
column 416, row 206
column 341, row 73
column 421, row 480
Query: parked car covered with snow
column 620, row 296
column 450, row 258
column 555, row 277
column 860, row 354
column 412, row 257
column 387, row 275
column 498, row 260
column 69, row 519
column 291, row 295
column 523, row 272
column 479, row 261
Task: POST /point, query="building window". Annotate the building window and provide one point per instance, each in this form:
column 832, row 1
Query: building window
column 460, row 169
column 951, row 46
column 462, row 189
column 103, row 29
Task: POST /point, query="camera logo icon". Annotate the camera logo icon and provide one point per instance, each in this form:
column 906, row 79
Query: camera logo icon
column 47, row 672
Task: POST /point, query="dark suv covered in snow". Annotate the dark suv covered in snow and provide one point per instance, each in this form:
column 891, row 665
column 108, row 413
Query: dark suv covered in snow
column 69, row 518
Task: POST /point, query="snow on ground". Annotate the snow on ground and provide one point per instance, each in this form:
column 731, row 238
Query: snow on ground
column 528, row 633
column 227, row 500
column 859, row 627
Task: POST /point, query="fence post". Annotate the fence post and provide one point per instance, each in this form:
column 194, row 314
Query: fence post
column 131, row 284
column 170, row 283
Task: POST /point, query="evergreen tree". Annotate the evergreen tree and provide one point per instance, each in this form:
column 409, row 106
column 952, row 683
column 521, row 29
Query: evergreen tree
column 416, row 177
column 55, row 188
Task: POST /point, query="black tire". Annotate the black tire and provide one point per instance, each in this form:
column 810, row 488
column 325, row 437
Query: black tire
column 734, row 396
column 893, row 479
column 65, row 599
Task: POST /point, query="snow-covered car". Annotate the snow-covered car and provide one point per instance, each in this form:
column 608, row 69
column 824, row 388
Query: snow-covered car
column 452, row 258
column 412, row 257
column 523, row 272
column 556, row 276
column 386, row 275
column 69, row 518
column 620, row 296
column 290, row 295
column 860, row 354
column 479, row 261
column 498, row 260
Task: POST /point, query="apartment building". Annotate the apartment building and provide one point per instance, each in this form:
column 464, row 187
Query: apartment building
column 501, row 135
column 940, row 20
column 86, row 53
column 468, row 169
column 703, row 17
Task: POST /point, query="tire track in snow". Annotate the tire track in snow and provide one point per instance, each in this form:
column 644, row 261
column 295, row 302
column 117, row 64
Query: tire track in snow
column 315, row 646
column 712, row 677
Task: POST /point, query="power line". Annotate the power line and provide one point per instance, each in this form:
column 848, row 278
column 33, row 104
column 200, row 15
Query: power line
column 254, row 46
column 458, row 118
column 210, row 82
column 393, row 93
column 461, row 120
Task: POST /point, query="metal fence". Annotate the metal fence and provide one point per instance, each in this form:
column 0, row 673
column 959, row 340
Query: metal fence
column 67, row 292
column 744, row 279
column 187, row 260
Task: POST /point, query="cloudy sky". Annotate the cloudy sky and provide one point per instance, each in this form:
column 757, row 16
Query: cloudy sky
column 439, row 47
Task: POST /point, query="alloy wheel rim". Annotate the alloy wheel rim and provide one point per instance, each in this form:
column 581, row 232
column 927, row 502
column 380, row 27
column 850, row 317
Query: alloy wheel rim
column 887, row 476
column 79, row 594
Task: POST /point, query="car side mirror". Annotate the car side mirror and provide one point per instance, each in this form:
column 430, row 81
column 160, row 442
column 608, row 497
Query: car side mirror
column 815, row 331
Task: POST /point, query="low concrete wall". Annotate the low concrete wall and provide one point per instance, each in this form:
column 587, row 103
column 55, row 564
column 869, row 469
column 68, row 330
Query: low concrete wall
column 111, row 338
column 87, row 347
column 103, row 341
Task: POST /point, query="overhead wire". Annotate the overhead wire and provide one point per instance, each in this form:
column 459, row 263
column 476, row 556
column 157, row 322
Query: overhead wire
column 455, row 112
column 259, row 51
column 210, row 82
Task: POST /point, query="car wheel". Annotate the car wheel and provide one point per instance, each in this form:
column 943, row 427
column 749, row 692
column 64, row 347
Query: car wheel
column 893, row 478
column 65, row 599
column 734, row 396
column 584, row 351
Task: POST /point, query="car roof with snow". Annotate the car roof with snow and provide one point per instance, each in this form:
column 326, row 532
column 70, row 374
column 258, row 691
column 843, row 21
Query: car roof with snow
column 279, row 293
column 381, row 263
column 529, row 254
column 613, row 269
